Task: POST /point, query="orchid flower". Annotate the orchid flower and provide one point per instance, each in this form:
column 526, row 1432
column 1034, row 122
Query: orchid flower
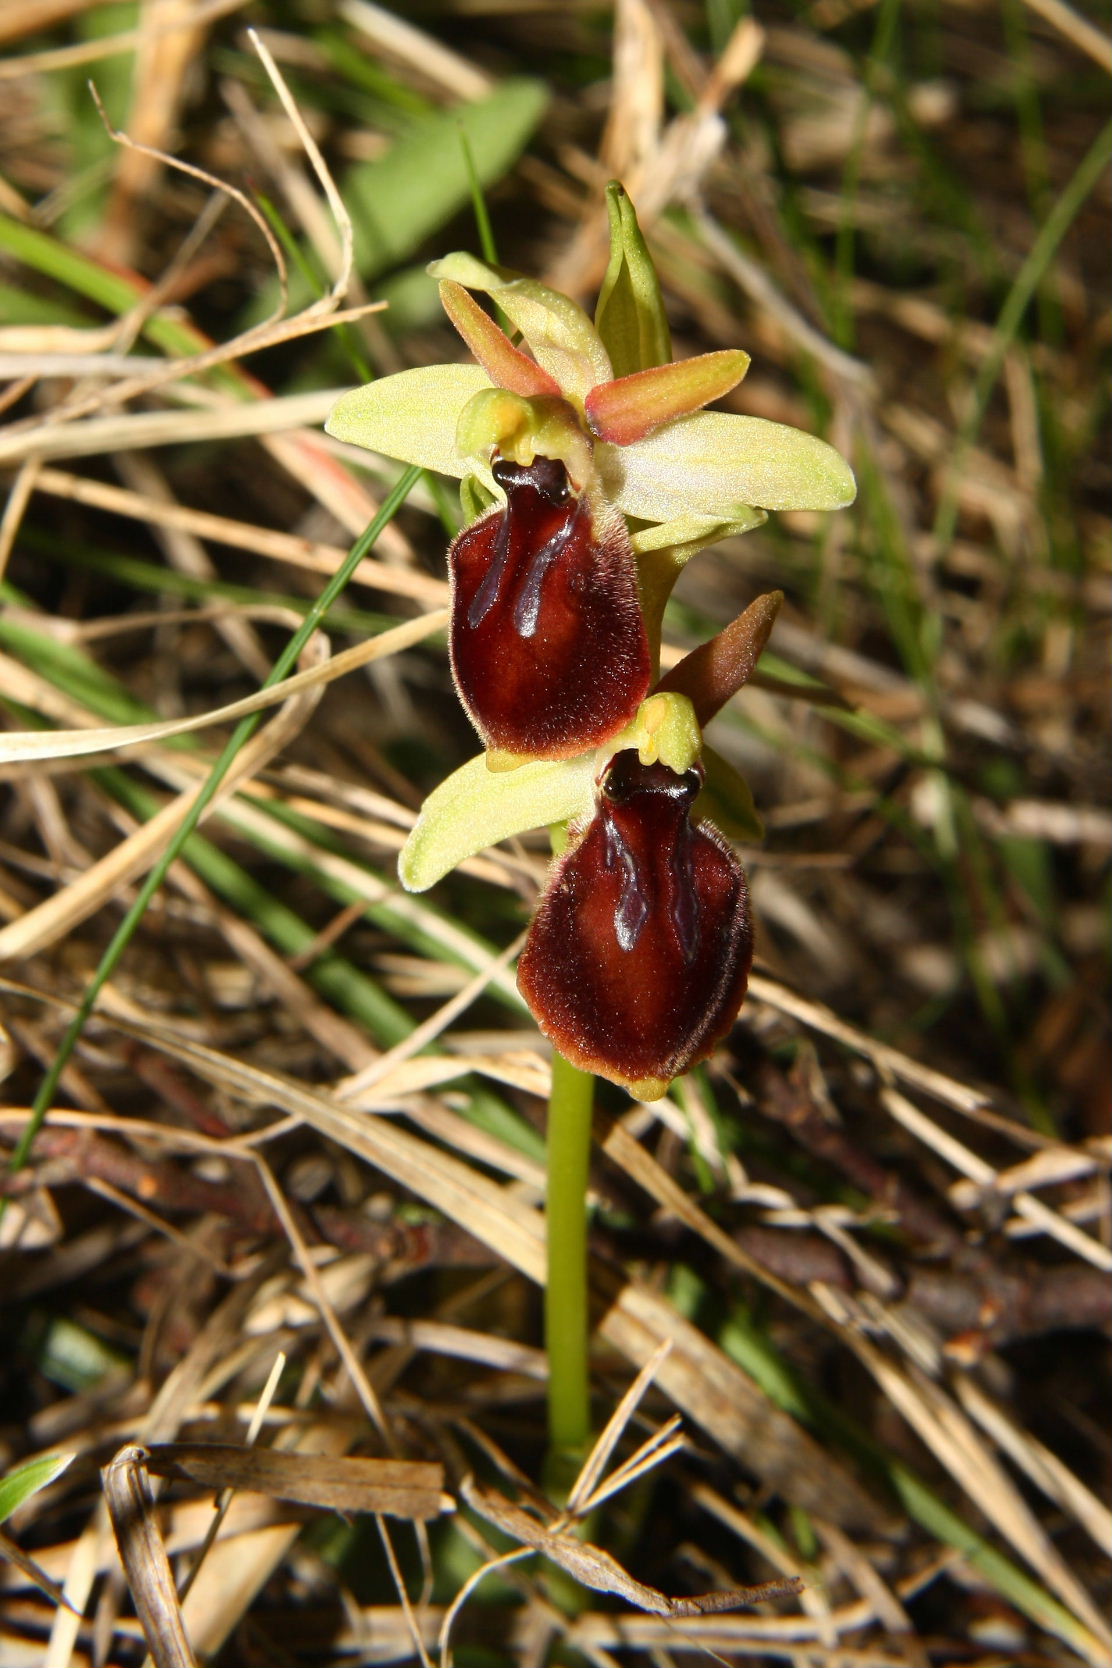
column 627, row 428
column 628, row 425
column 637, row 960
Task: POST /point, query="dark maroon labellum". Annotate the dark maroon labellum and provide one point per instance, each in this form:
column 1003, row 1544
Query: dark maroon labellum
column 548, row 644
column 638, row 957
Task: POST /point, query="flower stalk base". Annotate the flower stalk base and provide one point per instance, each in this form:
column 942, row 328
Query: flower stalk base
column 566, row 1314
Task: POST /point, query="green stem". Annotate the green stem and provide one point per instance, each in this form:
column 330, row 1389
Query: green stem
column 566, row 1315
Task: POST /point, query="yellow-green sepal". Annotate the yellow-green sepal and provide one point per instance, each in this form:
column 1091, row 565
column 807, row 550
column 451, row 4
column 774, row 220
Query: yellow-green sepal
column 715, row 463
column 412, row 415
column 476, row 807
column 630, row 315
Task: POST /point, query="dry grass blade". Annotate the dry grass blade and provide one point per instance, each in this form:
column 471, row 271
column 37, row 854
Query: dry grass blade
column 143, row 1555
column 489, row 1567
column 396, row 1488
column 226, row 1499
column 40, row 926
column 93, row 436
column 1044, row 1469
column 814, row 1014
column 44, row 12
column 593, row 1567
column 147, row 157
column 15, row 507
column 12, row 1553
column 1075, row 28
column 62, row 744
column 252, row 1547
column 239, row 535
column 753, row 278
column 357, row 1089
column 955, row 1442
column 586, row 1484
column 662, row 1445
column 342, row 278
column 957, row 1154
column 397, row 39
column 696, row 1374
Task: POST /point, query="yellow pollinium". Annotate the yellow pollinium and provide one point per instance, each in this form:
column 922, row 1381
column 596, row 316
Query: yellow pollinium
column 665, row 731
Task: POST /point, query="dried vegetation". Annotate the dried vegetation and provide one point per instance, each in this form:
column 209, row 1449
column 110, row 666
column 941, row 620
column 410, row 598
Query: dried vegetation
column 286, row 1193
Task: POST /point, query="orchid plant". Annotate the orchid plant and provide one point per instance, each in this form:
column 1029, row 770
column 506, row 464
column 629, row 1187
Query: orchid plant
column 590, row 474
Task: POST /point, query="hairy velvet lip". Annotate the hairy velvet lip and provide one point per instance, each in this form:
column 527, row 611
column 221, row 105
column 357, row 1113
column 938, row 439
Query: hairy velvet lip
column 548, row 646
column 638, row 957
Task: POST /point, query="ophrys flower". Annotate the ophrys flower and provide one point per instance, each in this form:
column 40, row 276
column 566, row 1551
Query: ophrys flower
column 627, row 428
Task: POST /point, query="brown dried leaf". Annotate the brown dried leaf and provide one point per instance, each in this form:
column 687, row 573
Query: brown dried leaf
column 595, row 1568
column 143, row 1555
column 396, row 1488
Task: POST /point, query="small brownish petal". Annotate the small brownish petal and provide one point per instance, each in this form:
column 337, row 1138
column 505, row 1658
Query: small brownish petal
column 717, row 669
column 638, row 956
column 505, row 365
column 630, row 407
column 548, row 645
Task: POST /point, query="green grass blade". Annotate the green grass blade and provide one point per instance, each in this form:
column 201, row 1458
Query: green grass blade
column 19, row 1485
